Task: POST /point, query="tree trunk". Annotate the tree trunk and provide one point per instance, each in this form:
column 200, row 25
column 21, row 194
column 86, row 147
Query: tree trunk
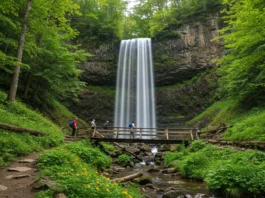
column 14, row 83
column 21, row 130
column 128, row 178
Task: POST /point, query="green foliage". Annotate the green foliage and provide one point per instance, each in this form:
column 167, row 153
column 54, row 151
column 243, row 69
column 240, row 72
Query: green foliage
column 227, row 172
column 236, row 179
column 218, row 113
column 90, row 155
column 161, row 18
column 76, row 176
column 243, row 66
column 124, row 160
column 249, row 126
column 108, row 147
column 197, row 145
column 171, row 157
column 12, row 144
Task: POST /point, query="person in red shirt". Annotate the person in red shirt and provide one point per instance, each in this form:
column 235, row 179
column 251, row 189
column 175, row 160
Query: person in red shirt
column 74, row 127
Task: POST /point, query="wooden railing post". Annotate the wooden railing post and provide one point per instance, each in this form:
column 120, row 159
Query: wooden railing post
column 141, row 133
column 94, row 132
column 117, row 133
column 166, row 133
column 191, row 135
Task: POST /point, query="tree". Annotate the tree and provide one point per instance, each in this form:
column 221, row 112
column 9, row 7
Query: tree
column 243, row 66
column 14, row 84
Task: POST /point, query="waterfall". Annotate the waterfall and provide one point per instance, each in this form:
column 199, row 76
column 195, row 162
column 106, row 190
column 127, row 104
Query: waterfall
column 135, row 95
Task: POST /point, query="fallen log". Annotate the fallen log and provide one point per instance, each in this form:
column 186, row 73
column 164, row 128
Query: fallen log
column 21, row 130
column 128, row 178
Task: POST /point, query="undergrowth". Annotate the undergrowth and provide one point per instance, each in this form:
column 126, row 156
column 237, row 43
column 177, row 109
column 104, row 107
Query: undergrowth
column 227, row 172
column 75, row 167
column 13, row 145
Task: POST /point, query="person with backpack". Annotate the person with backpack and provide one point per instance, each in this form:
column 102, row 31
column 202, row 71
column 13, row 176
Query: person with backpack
column 132, row 126
column 73, row 125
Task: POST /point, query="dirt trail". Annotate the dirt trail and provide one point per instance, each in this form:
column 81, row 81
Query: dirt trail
column 19, row 187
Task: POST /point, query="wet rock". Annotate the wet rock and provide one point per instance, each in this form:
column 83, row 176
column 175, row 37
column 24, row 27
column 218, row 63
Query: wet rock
column 143, row 180
column 187, row 196
column 181, row 196
column 160, row 191
column 3, row 188
column 171, row 194
column 165, row 147
column 149, row 186
column 153, row 170
column 19, row 169
column 169, row 170
column 200, row 196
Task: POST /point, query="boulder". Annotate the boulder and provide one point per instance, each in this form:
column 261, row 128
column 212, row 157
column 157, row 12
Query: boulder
column 143, row 180
column 171, row 194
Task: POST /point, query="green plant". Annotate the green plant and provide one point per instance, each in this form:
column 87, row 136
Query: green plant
column 197, row 145
column 90, row 155
column 124, row 160
column 108, row 147
column 76, row 176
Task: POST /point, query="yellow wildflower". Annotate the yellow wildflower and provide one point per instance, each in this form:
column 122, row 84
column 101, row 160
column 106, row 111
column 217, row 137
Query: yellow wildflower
column 88, row 186
column 97, row 188
column 77, row 174
column 107, row 189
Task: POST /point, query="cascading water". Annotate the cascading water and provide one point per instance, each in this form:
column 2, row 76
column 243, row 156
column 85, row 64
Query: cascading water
column 135, row 85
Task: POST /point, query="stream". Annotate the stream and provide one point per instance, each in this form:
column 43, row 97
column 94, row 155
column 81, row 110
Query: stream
column 164, row 182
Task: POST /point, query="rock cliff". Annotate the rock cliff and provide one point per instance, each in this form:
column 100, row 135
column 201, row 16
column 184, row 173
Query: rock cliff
column 176, row 60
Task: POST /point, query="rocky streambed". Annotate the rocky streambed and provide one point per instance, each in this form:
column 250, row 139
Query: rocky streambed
column 158, row 181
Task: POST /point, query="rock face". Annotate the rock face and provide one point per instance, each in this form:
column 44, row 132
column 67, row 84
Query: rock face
column 100, row 69
column 176, row 60
column 180, row 59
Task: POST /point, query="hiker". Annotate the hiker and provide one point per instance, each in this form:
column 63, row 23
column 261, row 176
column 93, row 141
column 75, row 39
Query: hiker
column 93, row 126
column 74, row 126
column 106, row 124
column 132, row 126
column 198, row 133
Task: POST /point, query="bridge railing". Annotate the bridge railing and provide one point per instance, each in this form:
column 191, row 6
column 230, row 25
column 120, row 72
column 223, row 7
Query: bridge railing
column 140, row 133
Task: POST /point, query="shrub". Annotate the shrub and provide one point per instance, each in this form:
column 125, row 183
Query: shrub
column 196, row 145
column 194, row 165
column 108, row 147
column 170, row 157
column 236, row 179
column 90, row 155
column 124, row 160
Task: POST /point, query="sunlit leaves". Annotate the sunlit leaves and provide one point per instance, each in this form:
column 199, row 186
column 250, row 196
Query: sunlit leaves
column 244, row 37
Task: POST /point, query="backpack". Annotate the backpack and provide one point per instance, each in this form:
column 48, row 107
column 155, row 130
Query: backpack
column 130, row 125
column 71, row 123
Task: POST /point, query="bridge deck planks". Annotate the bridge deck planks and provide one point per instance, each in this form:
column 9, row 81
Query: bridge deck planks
column 136, row 140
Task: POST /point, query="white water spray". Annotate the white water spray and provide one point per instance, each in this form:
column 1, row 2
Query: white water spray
column 135, row 95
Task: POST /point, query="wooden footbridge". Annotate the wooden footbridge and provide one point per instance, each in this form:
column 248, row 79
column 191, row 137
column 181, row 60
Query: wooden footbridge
column 140, row 135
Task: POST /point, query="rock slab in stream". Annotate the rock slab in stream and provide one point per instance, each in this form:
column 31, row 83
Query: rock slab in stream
column 16, row 176
column 19, row 169
column 3, row 188
column 171, row 194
